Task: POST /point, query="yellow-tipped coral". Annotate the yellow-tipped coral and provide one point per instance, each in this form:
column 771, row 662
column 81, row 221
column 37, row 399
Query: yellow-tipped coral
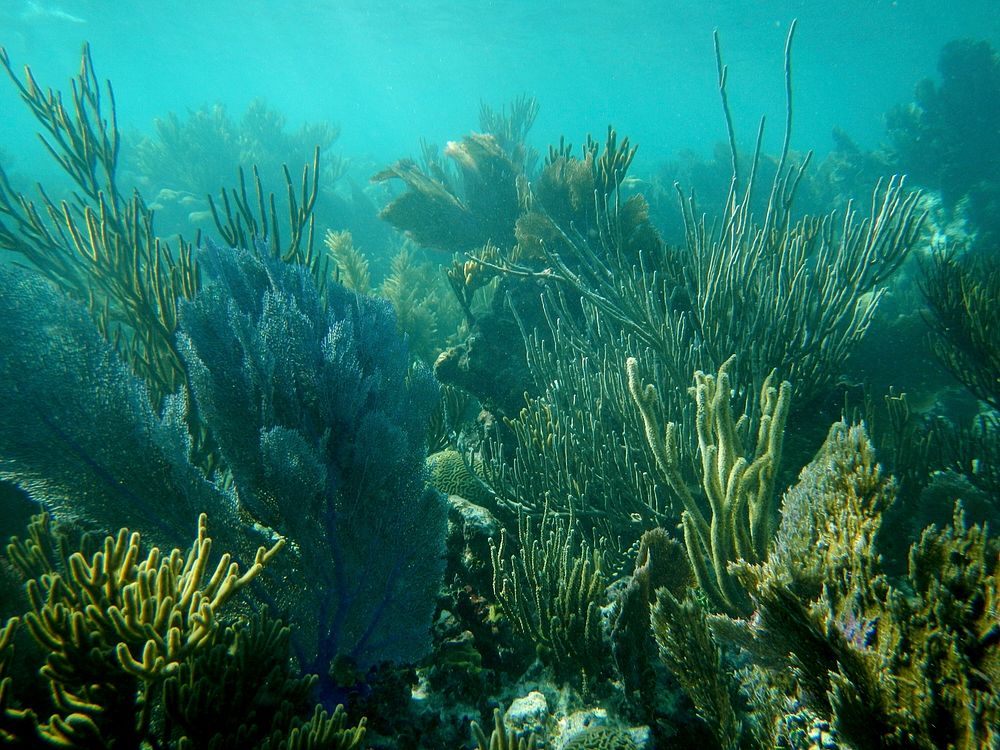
column 738, row 486
column 115, row 624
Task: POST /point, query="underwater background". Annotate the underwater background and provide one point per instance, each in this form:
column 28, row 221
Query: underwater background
column 500, row 375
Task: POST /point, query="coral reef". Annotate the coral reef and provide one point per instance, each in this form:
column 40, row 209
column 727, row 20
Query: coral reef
column 134, row 651
column 961, row 293
column 552, row 592
column 301, row 397
column 189, row 154
column 100, row 245
column 458, row 215
column 947, row 137
column 619, row 546
column 320, row 419
column 739, row 488
column 833, row 639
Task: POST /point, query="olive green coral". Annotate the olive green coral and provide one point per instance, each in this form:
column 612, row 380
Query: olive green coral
column 687, row 646
column 962, row 294
column 738, row 486
column 501, row 738
column 100, row 245
column 323, row 731
column 552, row 592
column 911, row 664
column 115, row 625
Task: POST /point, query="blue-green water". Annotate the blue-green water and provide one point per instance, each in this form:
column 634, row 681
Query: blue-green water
column 391, row 73
column 447, row 406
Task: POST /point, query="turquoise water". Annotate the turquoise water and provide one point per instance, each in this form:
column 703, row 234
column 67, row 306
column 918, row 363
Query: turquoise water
column 391, row 73
column 468, row 464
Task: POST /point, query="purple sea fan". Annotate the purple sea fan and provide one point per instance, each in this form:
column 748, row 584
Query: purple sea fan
column 320, row 418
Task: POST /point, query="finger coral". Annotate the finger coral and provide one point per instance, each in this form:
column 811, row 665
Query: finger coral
column 115, row 624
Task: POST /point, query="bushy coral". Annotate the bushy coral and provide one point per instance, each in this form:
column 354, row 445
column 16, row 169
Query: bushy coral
column 552, row 591
column 312, row 405
column 457, row 215
column 320, row 418
column 135, row 650
column 963, row 297
column 100, row 244
column 888, row 664
column 188, row 158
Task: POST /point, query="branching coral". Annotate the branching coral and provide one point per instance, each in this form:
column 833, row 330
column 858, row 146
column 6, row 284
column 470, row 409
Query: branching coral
column 100, row 245
column 552, row 592
column 739, row 487
column 446, row 217
column 888, row 665
column 510, row 127
column 573, row 449
column 14, row 723
column 687, row 647
column 114, row 626
column 324, row 731
column 780, row 294
column 501, row 738
column 242, row 223
column 317, row 413
column 201, row 683
column 962, row 293
column 581, row 196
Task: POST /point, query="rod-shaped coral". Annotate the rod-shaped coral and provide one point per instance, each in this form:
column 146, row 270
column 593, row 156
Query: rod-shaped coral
column 99, row 245
column 552, row 593
column 738, row 487
column 115, row 623
column 152, row 611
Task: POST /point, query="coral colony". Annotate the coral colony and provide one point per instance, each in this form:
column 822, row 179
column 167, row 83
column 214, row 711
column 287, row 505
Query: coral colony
column 506, row 449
